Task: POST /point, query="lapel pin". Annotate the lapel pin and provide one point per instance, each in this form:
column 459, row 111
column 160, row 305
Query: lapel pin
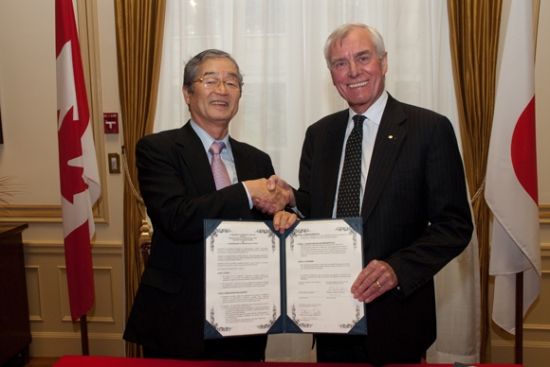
column 391, row 137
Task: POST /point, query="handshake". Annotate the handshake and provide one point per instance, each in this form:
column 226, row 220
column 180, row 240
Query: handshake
column 271, row 196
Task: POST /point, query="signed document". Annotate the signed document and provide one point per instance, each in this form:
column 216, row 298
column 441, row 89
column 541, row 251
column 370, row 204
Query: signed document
column 259, row 281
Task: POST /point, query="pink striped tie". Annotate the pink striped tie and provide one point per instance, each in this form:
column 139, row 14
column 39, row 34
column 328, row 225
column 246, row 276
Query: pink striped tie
column 221, row 177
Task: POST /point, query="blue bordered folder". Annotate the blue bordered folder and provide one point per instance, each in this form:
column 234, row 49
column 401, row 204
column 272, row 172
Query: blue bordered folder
column 226, row 249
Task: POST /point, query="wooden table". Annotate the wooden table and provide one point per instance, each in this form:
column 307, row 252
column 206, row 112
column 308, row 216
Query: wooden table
column 15, row 331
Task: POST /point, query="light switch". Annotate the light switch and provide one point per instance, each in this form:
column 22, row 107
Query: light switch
column 114, row 162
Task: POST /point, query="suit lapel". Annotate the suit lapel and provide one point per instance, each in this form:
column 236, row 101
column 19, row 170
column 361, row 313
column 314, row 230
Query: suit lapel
column 332, row 155
column 389, row 138
column 194, row 156
column 245, row 167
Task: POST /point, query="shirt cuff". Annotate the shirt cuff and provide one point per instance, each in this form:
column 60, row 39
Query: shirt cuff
column 248, row 195
column 295, row 210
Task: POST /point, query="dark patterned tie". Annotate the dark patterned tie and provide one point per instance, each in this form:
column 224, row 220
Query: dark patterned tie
column 350, row 182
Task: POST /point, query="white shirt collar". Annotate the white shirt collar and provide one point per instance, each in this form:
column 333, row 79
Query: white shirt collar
column 374, row 113
column 207, row 140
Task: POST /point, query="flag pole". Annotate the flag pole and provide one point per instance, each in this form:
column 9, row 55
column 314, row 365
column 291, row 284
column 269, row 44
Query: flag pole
column 84, row 335
column 519, row 318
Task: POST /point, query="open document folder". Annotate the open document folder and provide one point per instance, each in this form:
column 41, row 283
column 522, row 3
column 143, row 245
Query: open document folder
column 261, row 282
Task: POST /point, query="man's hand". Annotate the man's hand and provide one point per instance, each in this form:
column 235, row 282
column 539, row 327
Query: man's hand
column 275, row 180
column 272, row 184
column 283, row 221
column 373, row 281
column 271, row 201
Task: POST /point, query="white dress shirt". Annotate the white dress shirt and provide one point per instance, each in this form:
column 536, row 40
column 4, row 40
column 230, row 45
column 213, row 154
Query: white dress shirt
column 370, row 129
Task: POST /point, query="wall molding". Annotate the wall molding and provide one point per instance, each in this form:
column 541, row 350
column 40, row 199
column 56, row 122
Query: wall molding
column 33, row 271
column 57, row 247
column 50, row 213
column 55, row 344
column 544, row 213
column 526, row 344
column 41, row 213
column 89, row 319
column 538, row 327
column 74, row 335
column 103, row 311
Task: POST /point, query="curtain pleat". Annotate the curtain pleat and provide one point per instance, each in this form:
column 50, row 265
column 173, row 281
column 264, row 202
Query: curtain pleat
column 139, row 32
column 474, row 31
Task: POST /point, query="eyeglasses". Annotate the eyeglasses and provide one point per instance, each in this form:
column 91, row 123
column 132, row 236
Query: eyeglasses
column 213, row 83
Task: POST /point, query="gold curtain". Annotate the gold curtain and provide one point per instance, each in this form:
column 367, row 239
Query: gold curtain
column 139, row 32
column 474, row 31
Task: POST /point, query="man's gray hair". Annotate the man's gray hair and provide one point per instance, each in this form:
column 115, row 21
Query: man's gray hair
column 341, row 32
column 192, row 67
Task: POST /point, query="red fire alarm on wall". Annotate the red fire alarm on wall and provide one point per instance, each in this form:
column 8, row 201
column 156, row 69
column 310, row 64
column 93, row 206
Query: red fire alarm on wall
column 110, row 122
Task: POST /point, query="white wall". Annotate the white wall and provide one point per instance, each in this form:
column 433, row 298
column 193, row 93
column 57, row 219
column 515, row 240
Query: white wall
column 29, row 156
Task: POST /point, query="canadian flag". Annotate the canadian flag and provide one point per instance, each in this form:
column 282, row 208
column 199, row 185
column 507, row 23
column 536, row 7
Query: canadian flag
column 80, row 187
column 511, row 186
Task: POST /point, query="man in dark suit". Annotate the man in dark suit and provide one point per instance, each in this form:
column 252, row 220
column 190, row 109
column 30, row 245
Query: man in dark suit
column 411, row 196
column 180, row 190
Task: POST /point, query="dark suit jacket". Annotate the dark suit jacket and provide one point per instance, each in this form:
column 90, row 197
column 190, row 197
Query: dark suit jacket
column 415, row 214
column 177, row 186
